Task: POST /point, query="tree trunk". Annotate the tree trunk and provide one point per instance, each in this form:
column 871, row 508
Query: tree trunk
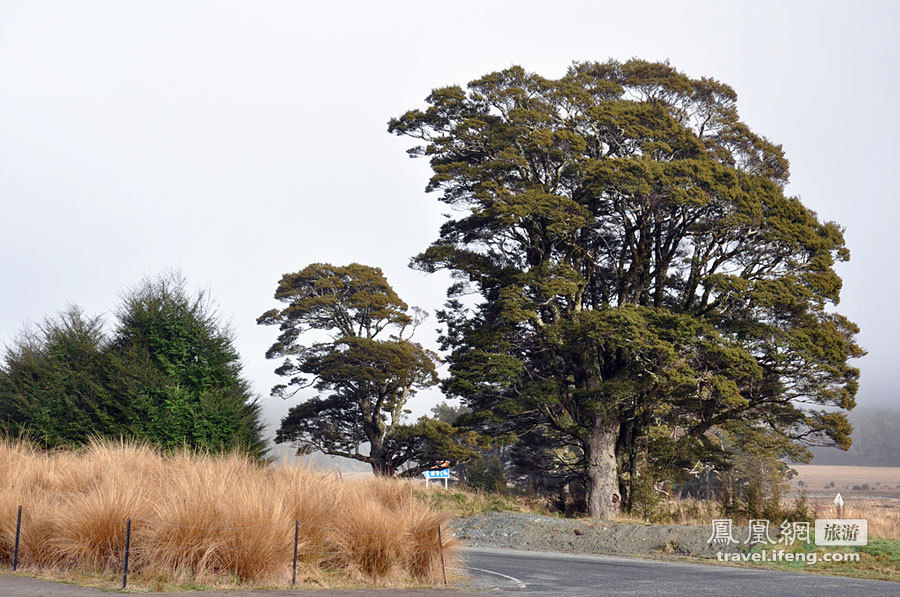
column 632, row 453
column 600, row 458
column 380, row 464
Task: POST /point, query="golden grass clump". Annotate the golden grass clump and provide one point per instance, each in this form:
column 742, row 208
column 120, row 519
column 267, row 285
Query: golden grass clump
column 89, row 529
column 314, row 505
column 422, row 557
column 219, row 519
column 372, row 544
column 423, row 560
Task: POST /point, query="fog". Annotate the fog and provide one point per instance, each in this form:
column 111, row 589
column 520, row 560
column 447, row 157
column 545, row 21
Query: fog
column 240, row 141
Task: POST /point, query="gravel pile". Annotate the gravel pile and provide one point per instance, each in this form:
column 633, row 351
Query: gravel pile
column 544, row 533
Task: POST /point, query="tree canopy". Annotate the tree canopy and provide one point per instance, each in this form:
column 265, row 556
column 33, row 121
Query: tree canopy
column 345, row 332
column 636, row 262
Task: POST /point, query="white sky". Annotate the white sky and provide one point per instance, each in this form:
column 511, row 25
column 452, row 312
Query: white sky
column 239, row 141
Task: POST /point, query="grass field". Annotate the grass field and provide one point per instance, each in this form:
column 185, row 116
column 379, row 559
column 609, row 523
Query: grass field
column 879, row 560
column 869, row 492
column 208, row 520
column 863, row 481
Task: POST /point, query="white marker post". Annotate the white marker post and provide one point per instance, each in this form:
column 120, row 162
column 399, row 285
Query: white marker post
column 443, row 473
column 839, row 502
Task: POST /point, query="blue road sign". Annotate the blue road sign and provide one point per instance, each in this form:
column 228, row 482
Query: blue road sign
column 443, row 473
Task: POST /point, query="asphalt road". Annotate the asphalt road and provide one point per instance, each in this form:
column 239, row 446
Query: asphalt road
column 560, row 575
column 531, row 573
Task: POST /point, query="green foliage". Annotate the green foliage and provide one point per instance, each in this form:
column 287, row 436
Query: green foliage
column 190, row 370
column 333, row 339
column 749, row 476
column 635, row 261
column 486, row 474
column 168, row 374
column 429, row 441
column 484, row 466
column 57, row 383
column 449, row 413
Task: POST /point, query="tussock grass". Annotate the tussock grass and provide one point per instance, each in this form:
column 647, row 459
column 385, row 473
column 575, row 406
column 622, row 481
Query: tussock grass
column 220, row 520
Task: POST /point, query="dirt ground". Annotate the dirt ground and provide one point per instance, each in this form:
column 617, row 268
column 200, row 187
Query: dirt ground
column 544, row 533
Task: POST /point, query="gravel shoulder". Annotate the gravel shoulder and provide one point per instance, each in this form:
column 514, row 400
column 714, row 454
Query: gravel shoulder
column 533, row 532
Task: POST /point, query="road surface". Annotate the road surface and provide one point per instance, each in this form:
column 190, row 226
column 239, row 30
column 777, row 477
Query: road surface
column 504, row 571
column 536, row 573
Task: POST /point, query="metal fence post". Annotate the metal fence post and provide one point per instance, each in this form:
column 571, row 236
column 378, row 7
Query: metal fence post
column 18, row 530
column 127, row 550
column 296, row 538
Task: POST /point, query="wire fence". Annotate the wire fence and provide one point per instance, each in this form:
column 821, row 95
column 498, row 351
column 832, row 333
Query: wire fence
column 128, row 548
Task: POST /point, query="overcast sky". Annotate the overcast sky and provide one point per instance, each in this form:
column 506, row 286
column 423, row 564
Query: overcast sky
column 237, row 141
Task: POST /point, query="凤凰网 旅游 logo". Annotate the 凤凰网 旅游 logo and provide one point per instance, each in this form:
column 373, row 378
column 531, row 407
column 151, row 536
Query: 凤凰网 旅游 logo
column 842, row 531
column 828, row 532
column 758, row 533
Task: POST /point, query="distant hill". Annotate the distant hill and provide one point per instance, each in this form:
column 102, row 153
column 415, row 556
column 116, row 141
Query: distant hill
column 876, row 440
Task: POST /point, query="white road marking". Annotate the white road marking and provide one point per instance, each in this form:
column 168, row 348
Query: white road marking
column 518, row 582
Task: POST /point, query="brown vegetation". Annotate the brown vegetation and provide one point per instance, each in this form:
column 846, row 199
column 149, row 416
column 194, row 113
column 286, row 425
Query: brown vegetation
column 218, row 519
column 883, row 515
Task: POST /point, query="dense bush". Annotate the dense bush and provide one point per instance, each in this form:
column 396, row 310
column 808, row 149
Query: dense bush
column 168, row 374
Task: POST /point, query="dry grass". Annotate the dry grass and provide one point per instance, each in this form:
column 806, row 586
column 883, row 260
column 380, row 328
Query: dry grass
column 221, row 520
column 869, row 492
column 462, row 501
column 684, row 511
column 883, row 515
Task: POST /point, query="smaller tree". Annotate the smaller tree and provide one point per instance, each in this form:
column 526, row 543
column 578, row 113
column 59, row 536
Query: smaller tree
column 183, row 371
column 169, row 374
column 346, row 333
column 55, row 383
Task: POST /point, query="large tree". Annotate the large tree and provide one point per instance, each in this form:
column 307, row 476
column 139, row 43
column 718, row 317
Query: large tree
column 633, row 258
column 345, row 332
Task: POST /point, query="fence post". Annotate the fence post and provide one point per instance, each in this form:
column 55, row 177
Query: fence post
column 296, row 538
column 18, row 530
column 127, row 550
column 441, row 548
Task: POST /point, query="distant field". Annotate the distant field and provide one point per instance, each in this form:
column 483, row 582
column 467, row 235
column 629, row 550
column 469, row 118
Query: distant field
column 876, row 496
column 862, row 481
